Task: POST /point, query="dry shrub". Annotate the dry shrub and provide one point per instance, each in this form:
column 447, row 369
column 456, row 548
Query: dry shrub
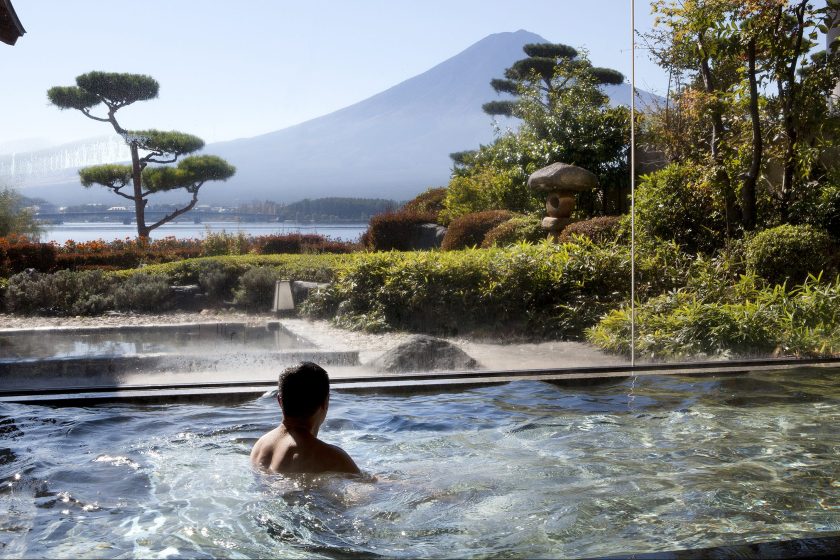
column 600, row 230
column 469, row 230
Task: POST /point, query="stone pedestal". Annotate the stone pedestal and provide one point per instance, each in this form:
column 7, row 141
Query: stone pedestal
column 560, row 182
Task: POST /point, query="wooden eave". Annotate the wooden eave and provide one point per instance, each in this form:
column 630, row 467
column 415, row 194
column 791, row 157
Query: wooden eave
column 10, row 27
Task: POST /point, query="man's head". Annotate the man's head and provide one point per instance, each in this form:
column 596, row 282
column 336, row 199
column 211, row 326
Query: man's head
column 303, row 389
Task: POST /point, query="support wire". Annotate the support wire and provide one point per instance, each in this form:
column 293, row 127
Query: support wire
column 633, row 182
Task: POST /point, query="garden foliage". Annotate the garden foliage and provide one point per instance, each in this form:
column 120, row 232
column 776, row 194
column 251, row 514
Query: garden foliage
column 537, row 290
column 742, row 318
column 602, row 229
column 515, row 230
column 680, row 203
column 789, row 254
column 469, row 230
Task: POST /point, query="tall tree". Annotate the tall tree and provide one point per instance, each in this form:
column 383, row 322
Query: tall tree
column 115, row 91
column 750, row 64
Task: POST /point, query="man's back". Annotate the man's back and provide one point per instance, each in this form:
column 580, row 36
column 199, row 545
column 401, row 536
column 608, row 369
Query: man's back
column 298, row 451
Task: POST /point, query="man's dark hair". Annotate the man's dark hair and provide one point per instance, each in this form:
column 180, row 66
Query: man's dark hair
column 303, row 388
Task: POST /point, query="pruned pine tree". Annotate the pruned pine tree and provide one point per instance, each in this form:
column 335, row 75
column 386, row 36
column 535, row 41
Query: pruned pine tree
column 543, row 68
column 138, row 181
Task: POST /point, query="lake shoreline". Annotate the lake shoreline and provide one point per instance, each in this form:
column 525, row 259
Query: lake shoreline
column 112, row 231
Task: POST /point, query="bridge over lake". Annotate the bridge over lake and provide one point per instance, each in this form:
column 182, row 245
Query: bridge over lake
column 127, row 216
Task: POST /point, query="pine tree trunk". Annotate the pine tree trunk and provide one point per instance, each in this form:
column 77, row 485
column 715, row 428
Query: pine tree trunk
column 139, row 201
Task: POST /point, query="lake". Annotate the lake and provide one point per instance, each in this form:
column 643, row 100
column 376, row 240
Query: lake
column 89, row 231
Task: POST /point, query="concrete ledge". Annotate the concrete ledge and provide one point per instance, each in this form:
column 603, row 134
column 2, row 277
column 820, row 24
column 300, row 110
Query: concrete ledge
column 404, row 383
column 108, row 366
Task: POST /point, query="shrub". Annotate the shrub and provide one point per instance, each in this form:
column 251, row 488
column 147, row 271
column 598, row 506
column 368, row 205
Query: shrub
column 18, row 254
column 680, row 203
column 395, row 230
column 142, row 292
column 469, row 230
column 290, row 243
column 489, row 187
column 428, row 202
column 297, row 243
column 747, row 318
column 515, row 230
column 63, row 293
column 534, row 290
column 217, row 280
column 602, row 229
column 15, row 220
column 256, row 288
column 789, row 253
column 224, row 243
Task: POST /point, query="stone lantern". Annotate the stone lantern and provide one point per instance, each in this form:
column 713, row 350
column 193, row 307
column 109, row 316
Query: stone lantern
column 560, row 182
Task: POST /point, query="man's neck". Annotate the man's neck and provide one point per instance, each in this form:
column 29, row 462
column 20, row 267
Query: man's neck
column 297, row 426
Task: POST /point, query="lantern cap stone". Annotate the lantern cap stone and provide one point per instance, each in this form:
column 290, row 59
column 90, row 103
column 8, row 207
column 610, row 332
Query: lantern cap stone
column 562, row 177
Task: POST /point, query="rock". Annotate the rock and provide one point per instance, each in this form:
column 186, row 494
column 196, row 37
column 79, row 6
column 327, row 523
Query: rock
column 551, row 224
column 559, row 177
column 424, row 353
column 187, row 297
column 426, row 236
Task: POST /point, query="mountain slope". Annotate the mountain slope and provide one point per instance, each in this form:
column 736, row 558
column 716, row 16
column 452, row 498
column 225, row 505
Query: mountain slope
column 391, row 145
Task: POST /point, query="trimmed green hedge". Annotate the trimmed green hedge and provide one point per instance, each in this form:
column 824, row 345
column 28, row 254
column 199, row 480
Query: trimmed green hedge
column 311, row 267
column 248, row 280
column 522, row 290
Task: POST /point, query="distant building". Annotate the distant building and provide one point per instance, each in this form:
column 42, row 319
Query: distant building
column 117, row 209
column 10, row 27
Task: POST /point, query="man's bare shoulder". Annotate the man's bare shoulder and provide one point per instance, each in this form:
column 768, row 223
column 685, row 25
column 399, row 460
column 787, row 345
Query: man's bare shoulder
column 340, row 460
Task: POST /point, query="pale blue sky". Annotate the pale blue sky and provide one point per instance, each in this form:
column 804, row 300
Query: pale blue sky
column 237, row 69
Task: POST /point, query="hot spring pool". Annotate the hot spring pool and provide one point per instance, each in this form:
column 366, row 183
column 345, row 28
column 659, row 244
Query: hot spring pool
column 526, row 469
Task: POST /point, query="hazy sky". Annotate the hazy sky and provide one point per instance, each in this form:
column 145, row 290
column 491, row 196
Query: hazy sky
column 237, row 69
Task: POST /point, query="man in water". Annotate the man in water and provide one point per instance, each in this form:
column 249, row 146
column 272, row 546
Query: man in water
column 293, row 446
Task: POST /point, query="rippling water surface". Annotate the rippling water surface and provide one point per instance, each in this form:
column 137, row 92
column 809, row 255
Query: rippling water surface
column 525, row 469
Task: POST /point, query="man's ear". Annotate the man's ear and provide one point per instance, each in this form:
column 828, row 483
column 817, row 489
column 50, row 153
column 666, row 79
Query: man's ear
column 279, row 402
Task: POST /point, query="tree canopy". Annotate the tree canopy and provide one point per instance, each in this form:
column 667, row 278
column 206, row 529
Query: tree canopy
column 539, row 69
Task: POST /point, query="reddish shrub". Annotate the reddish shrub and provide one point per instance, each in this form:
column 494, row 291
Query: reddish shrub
column 395, row 230
column 296, row 243
column 18, row 254
column 469, row 230
column 600, row 230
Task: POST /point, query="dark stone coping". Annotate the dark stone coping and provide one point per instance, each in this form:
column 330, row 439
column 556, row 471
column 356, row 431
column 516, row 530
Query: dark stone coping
column 818, row 546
